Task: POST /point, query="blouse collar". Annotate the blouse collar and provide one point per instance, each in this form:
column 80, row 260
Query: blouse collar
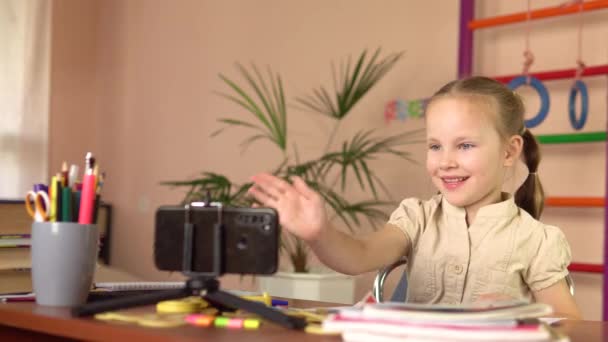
column 506, row 207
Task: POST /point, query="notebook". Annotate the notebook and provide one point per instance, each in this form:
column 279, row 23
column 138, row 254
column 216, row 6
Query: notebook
column 388, row 322
column 501, row 311
column 139, row 285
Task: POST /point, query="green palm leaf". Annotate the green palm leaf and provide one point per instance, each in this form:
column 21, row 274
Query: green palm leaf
column 266, row 104
column 351, row 84
column 218, row 187
column 356, row 154
column 349, row 212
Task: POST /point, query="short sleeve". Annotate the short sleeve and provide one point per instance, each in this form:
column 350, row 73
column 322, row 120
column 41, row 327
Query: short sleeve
column 410, row 218
column 550, row 258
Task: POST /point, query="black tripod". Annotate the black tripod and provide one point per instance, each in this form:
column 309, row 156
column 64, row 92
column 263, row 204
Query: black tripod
column 208, row 288
column 204, row 284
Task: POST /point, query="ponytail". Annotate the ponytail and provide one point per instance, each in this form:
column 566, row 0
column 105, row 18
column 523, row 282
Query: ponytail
column 531, row 196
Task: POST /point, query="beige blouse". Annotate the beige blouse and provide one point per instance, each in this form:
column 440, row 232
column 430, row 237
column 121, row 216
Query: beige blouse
column 505, row 251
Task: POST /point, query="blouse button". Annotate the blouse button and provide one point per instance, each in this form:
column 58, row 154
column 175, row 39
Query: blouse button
column 457, row 269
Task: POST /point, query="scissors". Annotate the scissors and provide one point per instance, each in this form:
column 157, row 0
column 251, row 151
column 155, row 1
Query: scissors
column 41, row 205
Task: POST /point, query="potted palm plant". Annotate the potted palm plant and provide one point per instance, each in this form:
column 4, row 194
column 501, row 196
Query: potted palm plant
column 265, row 114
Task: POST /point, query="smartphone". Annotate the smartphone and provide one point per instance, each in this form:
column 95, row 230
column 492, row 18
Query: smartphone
column 250, row 239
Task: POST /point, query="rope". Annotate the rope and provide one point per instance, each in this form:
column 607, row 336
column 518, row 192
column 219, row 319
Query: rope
column 579, row 61
column 528, row 55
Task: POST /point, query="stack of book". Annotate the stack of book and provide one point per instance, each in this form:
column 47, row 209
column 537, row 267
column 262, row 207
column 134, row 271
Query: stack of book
column 15, row 260
column 387, row 322
column 15, row 257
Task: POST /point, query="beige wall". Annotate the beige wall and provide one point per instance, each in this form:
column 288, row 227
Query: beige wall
column 73, row 115
column 146, row 71
column 140, row 75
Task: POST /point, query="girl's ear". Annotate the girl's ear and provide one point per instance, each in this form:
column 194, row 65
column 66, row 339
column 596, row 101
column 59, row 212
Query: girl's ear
column 515, row 145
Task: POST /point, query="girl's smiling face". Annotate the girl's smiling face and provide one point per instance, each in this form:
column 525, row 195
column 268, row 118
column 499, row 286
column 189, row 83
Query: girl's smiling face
column 466, row 157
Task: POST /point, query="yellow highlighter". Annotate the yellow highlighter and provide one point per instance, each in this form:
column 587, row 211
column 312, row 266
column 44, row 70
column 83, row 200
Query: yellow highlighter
column 263, row 298
column 53, row 198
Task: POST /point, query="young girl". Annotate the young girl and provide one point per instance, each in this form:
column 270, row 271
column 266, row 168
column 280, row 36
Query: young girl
column 472, row 241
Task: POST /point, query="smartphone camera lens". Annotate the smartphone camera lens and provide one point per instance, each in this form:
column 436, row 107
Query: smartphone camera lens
column 242, row 244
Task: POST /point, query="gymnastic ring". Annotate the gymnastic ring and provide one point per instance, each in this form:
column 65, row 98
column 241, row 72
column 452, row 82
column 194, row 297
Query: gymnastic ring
column 578, row 86
column 542, row 93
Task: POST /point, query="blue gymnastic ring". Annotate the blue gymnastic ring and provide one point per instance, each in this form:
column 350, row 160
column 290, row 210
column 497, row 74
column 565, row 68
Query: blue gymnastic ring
column 542, row 92
column 578, row 86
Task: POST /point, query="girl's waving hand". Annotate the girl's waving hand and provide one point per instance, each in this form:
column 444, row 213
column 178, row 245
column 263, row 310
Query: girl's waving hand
column 300, row 208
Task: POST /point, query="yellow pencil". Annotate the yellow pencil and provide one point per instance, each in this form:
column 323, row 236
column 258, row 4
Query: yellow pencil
column 53, row 193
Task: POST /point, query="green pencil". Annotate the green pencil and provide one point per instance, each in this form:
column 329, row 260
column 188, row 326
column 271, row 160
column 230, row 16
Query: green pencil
column 66, row 205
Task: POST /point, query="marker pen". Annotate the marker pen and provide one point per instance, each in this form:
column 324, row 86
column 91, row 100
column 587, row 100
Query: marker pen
column 87, row 198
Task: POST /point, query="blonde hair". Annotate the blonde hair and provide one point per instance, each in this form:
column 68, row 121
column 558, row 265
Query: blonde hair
column 509, row 121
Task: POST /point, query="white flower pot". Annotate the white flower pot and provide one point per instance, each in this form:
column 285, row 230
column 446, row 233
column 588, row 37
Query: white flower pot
column 324, row 287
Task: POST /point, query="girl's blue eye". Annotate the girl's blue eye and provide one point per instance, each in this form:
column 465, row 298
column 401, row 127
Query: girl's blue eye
column 466, row 146
column 434, row 147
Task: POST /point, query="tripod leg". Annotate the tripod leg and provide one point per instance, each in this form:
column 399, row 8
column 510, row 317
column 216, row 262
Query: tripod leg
column 128, row 302
column 260, row 309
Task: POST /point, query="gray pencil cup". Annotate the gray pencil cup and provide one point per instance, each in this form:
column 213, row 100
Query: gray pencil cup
column 64, row 256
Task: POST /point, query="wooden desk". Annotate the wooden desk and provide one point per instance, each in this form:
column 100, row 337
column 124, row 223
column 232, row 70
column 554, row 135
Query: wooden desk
column 29, row 322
